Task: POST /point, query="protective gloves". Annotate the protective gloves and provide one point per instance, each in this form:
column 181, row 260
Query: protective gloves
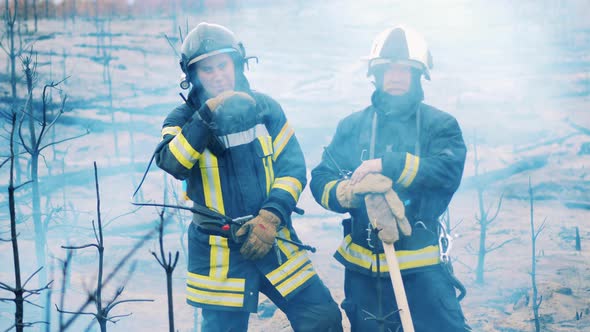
column 349, row 196
column 230, row 99
column 260, row 234
column 232, row 111
column 387, row 214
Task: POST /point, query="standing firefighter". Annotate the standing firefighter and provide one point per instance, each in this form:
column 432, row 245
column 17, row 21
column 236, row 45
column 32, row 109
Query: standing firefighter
column 239, row 157
column 397, row 163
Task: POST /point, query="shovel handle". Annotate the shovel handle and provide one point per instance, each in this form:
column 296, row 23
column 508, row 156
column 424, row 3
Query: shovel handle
column 398, row 288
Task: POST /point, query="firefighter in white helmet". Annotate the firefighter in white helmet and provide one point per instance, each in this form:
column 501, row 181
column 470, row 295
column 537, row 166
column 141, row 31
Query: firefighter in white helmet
column 398, row 162
column 239, row 157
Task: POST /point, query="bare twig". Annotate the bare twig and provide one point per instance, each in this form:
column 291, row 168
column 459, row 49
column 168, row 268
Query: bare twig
column 534, row 234
column 493, row 248
column 484, row 219
column 102, row 311
column 168, row 264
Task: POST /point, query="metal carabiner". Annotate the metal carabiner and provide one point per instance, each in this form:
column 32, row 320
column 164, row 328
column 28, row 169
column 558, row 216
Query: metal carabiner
column 369, row 232
column 445, row 243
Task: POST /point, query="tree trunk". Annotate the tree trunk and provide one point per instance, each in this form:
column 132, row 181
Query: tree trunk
column 170, row 301
column 40, row 236
column 19, row 300
column 35, row 15
column 483, row 223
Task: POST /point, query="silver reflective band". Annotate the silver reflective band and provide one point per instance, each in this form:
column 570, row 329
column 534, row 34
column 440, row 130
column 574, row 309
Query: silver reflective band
column 206, row 55
column 244, row 137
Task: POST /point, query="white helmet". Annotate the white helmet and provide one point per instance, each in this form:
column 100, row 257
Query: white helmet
column 206, row 40
column 400, row 45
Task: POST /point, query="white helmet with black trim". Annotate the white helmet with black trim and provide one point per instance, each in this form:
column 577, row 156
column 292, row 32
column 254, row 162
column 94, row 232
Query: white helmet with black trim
column 205, row 40
column 401, row 45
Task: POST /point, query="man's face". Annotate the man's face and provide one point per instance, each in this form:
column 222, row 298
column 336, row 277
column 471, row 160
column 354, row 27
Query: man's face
column 397, row 79
column 216, row 73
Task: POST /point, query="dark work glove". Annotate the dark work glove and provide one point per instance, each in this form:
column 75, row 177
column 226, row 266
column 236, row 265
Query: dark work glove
column 232, row 112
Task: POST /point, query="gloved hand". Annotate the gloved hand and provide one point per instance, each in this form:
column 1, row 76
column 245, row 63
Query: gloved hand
column 387, row 214
column 349, row 195
column 230, row 99
column 232, row 111
column 260, row 234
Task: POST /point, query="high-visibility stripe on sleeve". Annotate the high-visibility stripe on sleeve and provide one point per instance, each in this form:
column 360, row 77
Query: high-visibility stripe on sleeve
column 290, row 185
column 410, row 170
column 219, row 257
column 281, row 140
column 326, row 194
column 183, row 151
column 171, row 131
column 211, row 181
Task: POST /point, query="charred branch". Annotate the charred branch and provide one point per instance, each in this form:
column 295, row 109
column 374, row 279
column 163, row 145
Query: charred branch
column 102, row 307
column 534, row 235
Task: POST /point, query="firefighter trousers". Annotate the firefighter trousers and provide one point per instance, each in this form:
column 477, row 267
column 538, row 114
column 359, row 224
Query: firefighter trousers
column 431, row 298
column 310, row 310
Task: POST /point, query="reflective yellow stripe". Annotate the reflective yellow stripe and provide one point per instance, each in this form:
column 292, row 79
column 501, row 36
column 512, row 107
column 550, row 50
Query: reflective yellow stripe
column 281, row 140
column 183, row 151
column 288, row 248
column 407, row 259
column 229, row 284
column 426, row 256
column 291, row 274
column 326, row 194
column 354, row 253
column 170, row 131
column 219, row 257
column 217, row 288
column 287, row 268
column 244, row 137
column 410, row 170
column 266, row 175
column 215, row 298
column 289, row 285
column 266, row 144
column 271, row 170
column 211, row 181
column 290, row 185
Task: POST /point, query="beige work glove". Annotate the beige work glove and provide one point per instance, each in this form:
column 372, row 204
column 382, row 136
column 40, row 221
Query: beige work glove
column 350, row 196
column 260, row 234
column 387, row 214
